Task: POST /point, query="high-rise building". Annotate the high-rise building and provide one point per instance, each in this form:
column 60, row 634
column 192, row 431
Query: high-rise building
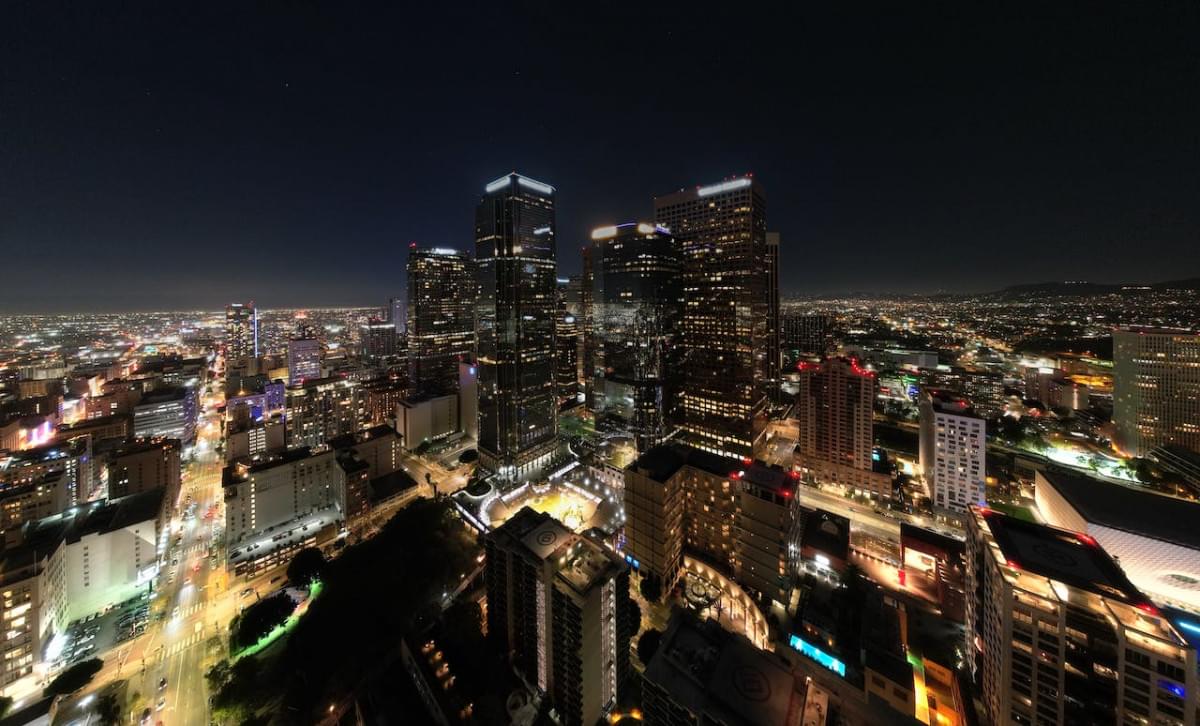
column 1156, row 388
column 320, row 409
column 739, row 514
column 953, row 451
column 515, row 266
column 835, row 411
column 558, row 605
column 1058, row 635
column 142, row 465
column 636, row 311
column 241, row 331
column 304, row 360
column 378, row 339
column 725, row 336
column 441, row 298
column 774, row 353
column 566, row 346
column 397, row 316
column 806, row 335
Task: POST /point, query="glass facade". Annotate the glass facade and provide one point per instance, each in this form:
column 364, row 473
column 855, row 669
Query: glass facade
column 441, row 295
column 636, row 309
column 515, row 326
column 726, row 328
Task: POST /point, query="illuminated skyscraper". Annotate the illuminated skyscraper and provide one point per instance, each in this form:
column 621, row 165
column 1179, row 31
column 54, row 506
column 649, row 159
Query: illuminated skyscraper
column 304, row 360
column 774, row 354
column 726, row 340
column 834, row 407
column 1156, row 388
column 515, row 318
column 241, row 331
column 441, row 296
column 636, row 308
column 566, row 344
column 953, row 451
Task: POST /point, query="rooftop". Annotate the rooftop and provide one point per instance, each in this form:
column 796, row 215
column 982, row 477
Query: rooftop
column 711, row 671
column 661, row 462
column 1061, row 555
column 345, row 441
column 1128, row 509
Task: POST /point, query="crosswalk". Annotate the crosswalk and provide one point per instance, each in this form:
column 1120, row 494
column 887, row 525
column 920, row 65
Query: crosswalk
column 189, row 610
column 179, row 646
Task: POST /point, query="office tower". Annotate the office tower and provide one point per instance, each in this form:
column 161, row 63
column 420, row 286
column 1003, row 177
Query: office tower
column 740, row 515
column 168, row 413
column 587, row 312
column 397, row 315
column 1058, row 634
column 378, row 339
column 725, row 340
column 320, row 409
column 558, row 605
column 806, row 336
column 636, row 311
column 774, row 354
column 953, row 446
column 835, row 409
column 1156, row 388
column 241, row 331
column 441, row 296
column 515, row 266
column 566, row 346
column 304, row 360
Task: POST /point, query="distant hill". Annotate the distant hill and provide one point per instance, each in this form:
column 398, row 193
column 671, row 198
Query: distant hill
column 1093, row 288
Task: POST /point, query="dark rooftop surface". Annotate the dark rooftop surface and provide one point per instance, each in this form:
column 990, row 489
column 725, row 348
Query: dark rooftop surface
column 826, row 532
column 661, row 462
column 346, row 441
column 1131, row 510
column 1062, row 555
column 389, row 485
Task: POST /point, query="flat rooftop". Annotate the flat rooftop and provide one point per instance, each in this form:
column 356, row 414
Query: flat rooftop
column 711, row 671
column 1125, row 508
column 661, row 462
column 1059, row 554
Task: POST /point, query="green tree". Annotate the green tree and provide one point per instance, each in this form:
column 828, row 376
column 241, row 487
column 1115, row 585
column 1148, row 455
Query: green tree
column 651, row 588
column 75, row 677
column 307, row 566
column 261, row 618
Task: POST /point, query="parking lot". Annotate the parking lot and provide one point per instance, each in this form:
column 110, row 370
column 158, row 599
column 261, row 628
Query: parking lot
column 101, row 631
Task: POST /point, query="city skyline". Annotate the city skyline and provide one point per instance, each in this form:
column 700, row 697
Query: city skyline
column 1036, row 150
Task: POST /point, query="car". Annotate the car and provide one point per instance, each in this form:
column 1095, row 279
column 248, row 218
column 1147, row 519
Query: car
column 162, row 683
column 147, row 716
column 162, row 703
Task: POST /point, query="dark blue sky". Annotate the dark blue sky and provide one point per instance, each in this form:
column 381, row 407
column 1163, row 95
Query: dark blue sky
column 159, row 156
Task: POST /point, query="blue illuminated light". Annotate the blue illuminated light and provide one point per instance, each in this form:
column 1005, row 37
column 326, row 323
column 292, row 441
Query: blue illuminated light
column 536, row 186
column 1173, row 688
column 818, row 655
column 1188, row 625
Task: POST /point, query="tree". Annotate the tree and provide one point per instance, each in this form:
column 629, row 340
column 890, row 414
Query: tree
column 651, row 588
column 218, row 676
column 75, row 677
column 308, row 565
column 261, row 618
column 647, row 645
column 108, row 709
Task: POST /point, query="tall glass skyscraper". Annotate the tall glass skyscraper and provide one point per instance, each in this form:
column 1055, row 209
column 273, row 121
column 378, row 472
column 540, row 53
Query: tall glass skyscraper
column 726, row 336
column 515, row 322
column 636, row 309
column 241, row 331
column 441, row 318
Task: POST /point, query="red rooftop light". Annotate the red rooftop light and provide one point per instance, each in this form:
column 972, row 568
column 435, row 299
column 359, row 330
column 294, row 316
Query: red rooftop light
column 1087, row 539
column 1147, row 608
column 1013, row 564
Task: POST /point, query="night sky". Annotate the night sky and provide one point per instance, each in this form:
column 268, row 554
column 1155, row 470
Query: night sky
column 157, row 157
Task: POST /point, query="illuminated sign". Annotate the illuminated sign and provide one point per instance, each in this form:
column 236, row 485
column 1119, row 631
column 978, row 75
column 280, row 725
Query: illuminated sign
column 444, row 251
column 818, row 655
column 723, row 187
column 604, row 232
column 541, row 230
